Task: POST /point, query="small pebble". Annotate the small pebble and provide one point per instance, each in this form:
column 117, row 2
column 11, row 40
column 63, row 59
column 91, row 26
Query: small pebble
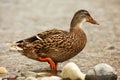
column 11, row 76
column 29, row 74
column 110, row 47
column 72, row 71
column 3, row 71
column 31, row 78
column 0, row 78
column 21, row 78
column 50, row 78
column 101, row 72
column 42, row 74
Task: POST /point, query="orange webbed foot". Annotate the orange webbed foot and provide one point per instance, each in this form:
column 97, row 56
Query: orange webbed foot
column 53, row 65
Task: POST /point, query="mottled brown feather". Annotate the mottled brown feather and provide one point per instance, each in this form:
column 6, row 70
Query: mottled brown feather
column 59, row 45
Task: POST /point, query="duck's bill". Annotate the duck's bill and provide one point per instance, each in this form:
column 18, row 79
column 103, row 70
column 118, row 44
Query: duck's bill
column 92, row 21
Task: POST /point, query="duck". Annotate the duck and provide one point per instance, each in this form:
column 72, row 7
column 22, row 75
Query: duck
column 55, row 46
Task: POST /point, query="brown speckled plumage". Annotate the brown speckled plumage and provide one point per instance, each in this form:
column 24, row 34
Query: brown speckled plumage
column 56, row 44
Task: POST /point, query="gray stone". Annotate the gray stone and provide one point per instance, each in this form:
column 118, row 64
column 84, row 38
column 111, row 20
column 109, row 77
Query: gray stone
column 101, row 72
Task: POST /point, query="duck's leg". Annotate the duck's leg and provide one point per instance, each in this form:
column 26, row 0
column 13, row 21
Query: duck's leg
column 53, row 65
column 56, row 66
column 55, row 69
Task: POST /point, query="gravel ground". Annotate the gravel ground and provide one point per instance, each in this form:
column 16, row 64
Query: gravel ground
column 22, row 18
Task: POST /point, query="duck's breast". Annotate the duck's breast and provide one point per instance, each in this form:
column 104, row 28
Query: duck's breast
column 72, row 45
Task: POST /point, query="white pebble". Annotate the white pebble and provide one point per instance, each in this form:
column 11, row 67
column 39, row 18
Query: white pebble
column 50, row 78
column 42, row 74
column 3, row 70
column 72, row 71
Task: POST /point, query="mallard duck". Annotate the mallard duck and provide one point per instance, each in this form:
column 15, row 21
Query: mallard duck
column 54, row 46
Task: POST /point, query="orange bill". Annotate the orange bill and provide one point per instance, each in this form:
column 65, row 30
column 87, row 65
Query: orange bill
column 91, row 20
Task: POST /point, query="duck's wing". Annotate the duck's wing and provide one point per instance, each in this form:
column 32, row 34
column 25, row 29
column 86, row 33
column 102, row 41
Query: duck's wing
column 44, row 44
column 42, row 35
column 48, row 46
column 34, row 40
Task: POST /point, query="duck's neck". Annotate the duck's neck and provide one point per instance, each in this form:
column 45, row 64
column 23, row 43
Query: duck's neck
column 76, row 24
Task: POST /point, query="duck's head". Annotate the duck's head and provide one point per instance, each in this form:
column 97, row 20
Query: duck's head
column 82, row 16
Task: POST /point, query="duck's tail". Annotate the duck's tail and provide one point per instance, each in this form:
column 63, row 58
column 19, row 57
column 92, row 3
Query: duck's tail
column 15, row 47
column 20, row 45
